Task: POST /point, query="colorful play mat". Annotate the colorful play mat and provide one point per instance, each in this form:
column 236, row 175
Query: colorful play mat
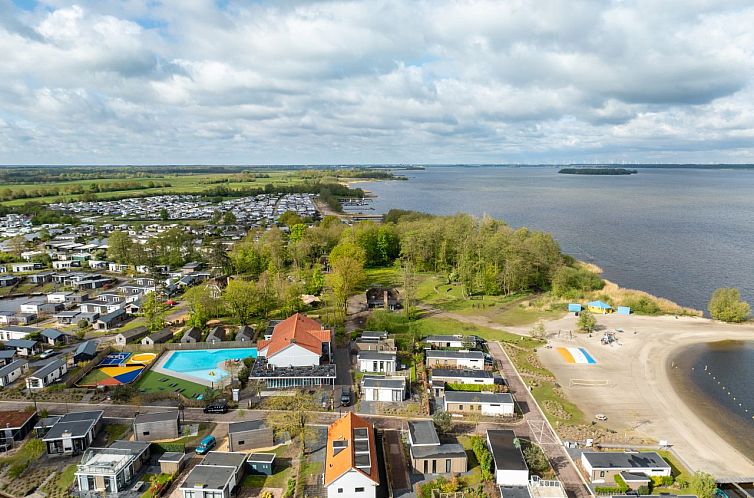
column 118, row 368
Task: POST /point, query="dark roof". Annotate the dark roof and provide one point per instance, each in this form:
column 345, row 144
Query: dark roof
column 208, row 477
column 445, row 338
column 473, row 355
column 47, row 422
column 163, row 335
column 374, row 334
column 262, row 457
column 136, row 332
column 52, row 334
column 216, row 333
column 377, row 355
column 224, row 459
column 423, row 432
column 248, row 425
column 504, row 453
column 477, row 397
column 448, row 450
column 10, row 367
column 382, row 382
column 172, row 456
column 631, row 477
column 465, row 373
column 88, row 347
column 616, row 460
column 156, row 417
column 50, row 367
column 515, row 492
column 7, row 353
column 244, row 333
column 194, row 333
column 20, row 343
column 108, row 317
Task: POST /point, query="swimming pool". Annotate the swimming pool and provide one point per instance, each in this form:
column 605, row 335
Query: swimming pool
column 206, row 364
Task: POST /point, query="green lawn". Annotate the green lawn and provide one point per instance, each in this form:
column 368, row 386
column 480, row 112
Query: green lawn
column 150, row 383
column 676, row 467
column 387, row 277
column 93, row 377
column 546, row 395
column 474, row 477
column 114, row 432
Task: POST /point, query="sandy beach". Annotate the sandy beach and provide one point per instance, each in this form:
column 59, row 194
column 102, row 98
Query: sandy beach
column 638, row 398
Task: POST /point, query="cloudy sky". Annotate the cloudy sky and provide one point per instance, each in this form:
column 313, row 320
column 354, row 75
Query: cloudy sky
column 281, row 82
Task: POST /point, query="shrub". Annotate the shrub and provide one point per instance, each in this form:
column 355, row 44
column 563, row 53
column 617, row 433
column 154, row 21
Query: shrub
column 536, row 459
column 168, row 446
column 572, row 282
column 726, row 305
column 483, row 456
column 643, row 490
column 642, row 305
column 470, row 387
column 620, row 483
column 608, row 490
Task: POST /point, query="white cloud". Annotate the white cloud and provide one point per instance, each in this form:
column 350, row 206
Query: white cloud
column 106, row 81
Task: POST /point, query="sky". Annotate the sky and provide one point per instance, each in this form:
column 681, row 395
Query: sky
column 307, row 82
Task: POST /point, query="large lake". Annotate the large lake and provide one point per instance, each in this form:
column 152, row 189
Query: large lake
column 677, row 233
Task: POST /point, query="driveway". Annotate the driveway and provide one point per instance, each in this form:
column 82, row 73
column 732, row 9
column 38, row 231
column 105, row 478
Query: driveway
column 398, row 467
column 343, row 366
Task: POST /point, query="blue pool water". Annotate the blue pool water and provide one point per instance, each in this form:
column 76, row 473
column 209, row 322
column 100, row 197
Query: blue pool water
column 206, row 364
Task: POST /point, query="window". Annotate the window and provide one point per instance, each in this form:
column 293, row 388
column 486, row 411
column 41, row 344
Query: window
column 242, row 442
column 602, row 473
column 447, row 466
column 145, row 433
column 340, row 490
column 359, row 490
column 460, row 408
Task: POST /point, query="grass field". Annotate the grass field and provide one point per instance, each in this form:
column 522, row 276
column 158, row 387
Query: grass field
column 150, row 382
column 93, row 377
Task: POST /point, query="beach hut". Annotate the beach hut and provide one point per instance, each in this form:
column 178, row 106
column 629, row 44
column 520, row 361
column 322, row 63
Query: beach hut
column 600, row 307
column 624, row 310
column 574, row 308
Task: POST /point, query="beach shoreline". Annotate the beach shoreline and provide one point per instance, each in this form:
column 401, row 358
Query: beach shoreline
column 640, row 399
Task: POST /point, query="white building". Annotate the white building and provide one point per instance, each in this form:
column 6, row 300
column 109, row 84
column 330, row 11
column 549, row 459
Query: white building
column 377, row 362
column 12, row 371
column 455, row 359
column 350, row 460
column 484, row 403
column 392, row 389
column 297, row 341
column 48, row 374
column 510, row 465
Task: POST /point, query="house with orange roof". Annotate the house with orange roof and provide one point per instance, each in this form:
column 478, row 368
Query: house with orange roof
column 297, row 341
column 351, row 459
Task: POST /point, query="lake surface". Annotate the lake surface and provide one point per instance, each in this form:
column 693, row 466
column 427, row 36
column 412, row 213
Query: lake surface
column 677, row 233
column 717, row 382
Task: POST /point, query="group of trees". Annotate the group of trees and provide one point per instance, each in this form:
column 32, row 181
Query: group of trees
column 726, row 305
column 87, row 191
column 173, row 247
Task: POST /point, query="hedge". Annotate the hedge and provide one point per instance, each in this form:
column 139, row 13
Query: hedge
column 470, row 387
column 172, row 447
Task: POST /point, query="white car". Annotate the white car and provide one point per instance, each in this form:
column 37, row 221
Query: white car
column 601, row 416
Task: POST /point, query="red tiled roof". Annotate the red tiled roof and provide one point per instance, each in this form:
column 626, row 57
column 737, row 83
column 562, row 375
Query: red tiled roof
column 296, row 329
column 337, row 464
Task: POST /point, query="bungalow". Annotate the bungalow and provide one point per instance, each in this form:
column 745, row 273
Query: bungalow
column 15, row 425
column 95, row 264
column 191, row 267
column 463, row 376
column 377, row 362
column 111, row 320
column 455, row 359
column 7, row 356
column 484, row 403
column 261, row 463
column 383, row 388
column 217, row 334
column 12, row 371
column 154, row 426
column 351, row 459
column 9, row 280
column 68, row 317
column 38, row 307
column 249, row 435
column 158, row 337
column 9, row 332
column 91, row 283
column 111, row 470
column 86, row 351
column 602, row 467
column 41, row 278
column 429, row 456
column 217, row 476
column 134, row 307
column 191, row 336
column 53, row 371
column 24, row 347
column 73, row 432
column 65, row 264
column 510, row 465
column 296, row 341
column 371, row 340
column 55, row 337
column 25, row 267
column 58, row 297
column 133, row 335
column 98, row 307
column 245, row 333
column 451, row 341
column 117, row 268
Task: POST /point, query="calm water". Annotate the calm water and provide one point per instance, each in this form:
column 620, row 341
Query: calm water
column 206, row 363
column 710, row 376
column 679, row 234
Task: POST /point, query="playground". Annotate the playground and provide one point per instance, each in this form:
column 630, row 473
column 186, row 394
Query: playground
column 117, row 369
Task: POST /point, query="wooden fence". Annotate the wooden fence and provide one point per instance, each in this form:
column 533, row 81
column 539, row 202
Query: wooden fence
column 188, row 346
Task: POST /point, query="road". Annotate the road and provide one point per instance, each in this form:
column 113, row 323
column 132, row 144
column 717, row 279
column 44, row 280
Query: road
column 539, row 428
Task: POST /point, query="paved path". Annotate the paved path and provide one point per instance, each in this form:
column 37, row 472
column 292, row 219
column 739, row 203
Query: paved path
column 566, row 471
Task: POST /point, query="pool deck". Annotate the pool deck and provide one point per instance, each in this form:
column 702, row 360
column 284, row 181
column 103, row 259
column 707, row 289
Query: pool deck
column 159, row 368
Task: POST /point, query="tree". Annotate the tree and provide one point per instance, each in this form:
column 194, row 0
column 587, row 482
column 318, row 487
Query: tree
column 229, row 218
column 294, row 416
column 17, row 245
column 536, row 459
column 726, row 305
column 202, row 305
column 443, row 421
column 164, row 215
column 587, row 322
column 538, row 331
column 347, row 264
column 290, row 218
column 703, row 484
column 409, row 282
column 154, row 312
column 119, row 246
column 242, row 300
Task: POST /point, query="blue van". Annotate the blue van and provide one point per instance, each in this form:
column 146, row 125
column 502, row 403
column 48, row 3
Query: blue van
column 205, row 445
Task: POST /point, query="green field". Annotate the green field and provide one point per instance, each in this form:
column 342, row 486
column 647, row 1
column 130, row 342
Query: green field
column 150, row 383
column 93, row 377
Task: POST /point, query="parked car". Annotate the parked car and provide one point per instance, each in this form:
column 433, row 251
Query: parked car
column 345, row 397
column 47, row 354
column 219, row 406
column 206, row 445
column 601, row 416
